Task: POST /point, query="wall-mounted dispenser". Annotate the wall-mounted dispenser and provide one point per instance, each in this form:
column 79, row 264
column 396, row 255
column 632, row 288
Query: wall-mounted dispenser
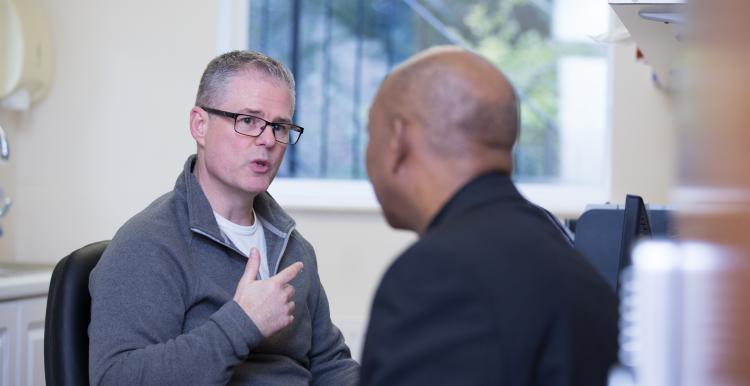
column 26, row 57
column 26, row 65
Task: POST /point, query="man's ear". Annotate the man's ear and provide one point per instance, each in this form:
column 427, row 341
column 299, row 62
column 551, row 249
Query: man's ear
column 399, row 143
column 198, row 124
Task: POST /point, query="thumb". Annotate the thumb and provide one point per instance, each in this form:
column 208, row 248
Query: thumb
column 253, row 264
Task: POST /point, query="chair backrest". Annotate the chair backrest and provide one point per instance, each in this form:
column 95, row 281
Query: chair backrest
column 66, row 340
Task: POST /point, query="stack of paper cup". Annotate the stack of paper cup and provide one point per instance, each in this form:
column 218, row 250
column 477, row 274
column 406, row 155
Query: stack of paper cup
column 655, row 313
column 685, row 316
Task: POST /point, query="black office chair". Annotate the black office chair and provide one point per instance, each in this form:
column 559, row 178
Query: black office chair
column 66, row 340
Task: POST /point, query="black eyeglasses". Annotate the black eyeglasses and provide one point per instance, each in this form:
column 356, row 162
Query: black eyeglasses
column 253, row 126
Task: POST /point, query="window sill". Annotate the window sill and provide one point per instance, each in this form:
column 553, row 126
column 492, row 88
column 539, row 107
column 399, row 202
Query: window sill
column 327, row 195
column 563, row 200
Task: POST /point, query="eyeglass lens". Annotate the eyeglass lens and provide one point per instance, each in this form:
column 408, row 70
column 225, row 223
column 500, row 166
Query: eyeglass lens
column 254, row 126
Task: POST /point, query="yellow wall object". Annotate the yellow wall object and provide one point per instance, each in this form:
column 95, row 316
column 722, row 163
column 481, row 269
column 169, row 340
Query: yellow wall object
column 26, row 57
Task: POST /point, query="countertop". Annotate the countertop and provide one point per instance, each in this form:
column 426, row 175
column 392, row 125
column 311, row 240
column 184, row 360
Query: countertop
column 20, row 280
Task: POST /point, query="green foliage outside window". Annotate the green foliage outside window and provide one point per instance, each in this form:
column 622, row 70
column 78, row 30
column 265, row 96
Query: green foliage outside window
column 344, row 48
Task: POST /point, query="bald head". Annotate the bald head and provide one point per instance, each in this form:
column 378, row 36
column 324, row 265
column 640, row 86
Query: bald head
column 461, row 100
column 440, row 119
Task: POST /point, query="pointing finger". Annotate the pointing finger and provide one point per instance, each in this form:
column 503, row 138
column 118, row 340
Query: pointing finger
column 289, row 273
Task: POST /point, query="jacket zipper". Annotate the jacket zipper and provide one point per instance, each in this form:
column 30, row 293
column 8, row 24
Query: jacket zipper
column 222, row 242
column 281, row 253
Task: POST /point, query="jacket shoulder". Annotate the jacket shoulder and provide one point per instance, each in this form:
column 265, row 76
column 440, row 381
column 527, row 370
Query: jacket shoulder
column 148, row 240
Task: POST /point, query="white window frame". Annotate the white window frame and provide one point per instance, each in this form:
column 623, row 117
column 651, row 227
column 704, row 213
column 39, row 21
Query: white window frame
column 564, row 200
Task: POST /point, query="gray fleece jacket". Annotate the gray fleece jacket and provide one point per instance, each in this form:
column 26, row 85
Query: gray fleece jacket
column 162, row 311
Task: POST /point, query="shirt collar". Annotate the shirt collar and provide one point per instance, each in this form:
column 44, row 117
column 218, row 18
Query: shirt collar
column 488, row 187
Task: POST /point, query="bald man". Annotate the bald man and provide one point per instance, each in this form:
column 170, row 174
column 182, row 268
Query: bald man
column 491, row 293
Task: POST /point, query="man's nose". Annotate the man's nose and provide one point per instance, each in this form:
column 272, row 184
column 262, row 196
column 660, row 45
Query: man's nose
column 266, row 138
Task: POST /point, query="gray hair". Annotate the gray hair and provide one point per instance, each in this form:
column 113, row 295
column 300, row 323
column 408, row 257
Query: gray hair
column 222, row 68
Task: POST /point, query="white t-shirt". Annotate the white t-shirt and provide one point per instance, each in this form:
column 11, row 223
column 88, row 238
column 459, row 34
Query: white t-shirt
column 246, row 237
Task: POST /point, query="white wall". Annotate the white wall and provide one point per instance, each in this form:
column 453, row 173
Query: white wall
column 112, row 135
column 643, row 132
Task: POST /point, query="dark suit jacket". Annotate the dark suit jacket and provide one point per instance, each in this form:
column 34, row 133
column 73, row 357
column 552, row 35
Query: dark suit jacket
column 492, row 294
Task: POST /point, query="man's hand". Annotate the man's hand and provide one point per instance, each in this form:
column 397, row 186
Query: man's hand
column 267, row 302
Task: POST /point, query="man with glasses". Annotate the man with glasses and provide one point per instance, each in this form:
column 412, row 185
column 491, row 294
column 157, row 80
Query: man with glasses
column 206, row 286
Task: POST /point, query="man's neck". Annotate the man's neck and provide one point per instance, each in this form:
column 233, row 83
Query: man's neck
column 239, row 216
column 438, row 185
column 234, row 206
column 433, row 190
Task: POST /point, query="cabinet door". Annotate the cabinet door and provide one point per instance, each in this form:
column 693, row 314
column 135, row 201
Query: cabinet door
column 31, row 341
column 8, row 337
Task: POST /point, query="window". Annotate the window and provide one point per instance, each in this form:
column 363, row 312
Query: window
column 340, row 50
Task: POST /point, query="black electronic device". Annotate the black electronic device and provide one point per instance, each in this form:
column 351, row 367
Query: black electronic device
column 605, row 235
column 635, row 224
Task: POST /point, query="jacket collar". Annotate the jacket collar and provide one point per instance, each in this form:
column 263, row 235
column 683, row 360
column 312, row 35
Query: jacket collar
column 490, row 187
column 201, row 216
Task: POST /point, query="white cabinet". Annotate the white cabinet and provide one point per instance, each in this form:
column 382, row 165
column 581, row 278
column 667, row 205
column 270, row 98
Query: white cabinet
column 8, row 345
column 22, row 342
